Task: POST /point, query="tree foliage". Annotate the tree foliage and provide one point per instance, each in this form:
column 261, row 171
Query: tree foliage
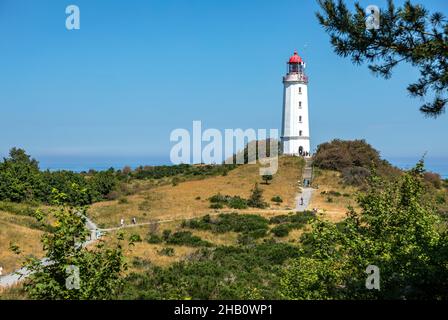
column 354, row 159
column 100, row 267
column 396, row 230
column 407, row 34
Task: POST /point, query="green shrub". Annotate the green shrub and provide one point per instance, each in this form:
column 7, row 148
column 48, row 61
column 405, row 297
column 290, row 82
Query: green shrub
column 277, row 199
column 252, row 224
column 293, row 221
column 169, row 252
column 282, row 230
column 188, row 239
column 218, row 198
column 135, row 238
column 166, row 234
column 237, row 203
column 216, row 206
column 236, row 271
column 267, row 177
column 154, row 239
column 440, row 199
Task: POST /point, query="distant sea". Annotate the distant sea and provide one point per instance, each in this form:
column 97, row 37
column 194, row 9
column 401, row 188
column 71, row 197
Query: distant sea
column 78, row 164
column 437, row 165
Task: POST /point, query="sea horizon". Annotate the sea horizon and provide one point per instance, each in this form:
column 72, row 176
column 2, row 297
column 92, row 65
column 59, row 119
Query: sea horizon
column 79, row 164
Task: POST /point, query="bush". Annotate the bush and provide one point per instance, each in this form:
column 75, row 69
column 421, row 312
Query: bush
column 250, row 224
column 218, row 201
column 294, row 221
column 355, row 175
column 440, row 199
column 222, row 273
column 277, row 199
column 216, row 206
column 188, row 239
column 354, row 159
column 169, row 252
column 339, row 154
column 154, row 239
column 237, row 203
column 433, row 179
column 166, row 234
column 267, row 177
column 135, row 238
column 281, row 230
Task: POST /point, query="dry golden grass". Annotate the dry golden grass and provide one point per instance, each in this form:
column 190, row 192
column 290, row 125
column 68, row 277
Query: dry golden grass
column 166, row 202
column 177, row 202
column 26, row 238
column 13, row 293
column 149, row 253
column 327, row 180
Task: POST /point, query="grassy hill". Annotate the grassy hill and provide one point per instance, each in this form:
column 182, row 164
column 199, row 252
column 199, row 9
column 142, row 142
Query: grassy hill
column 189, row 250
column 190, row 198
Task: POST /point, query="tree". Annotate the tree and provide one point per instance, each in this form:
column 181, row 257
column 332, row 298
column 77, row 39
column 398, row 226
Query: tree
column 20, row 177
column 256, row 198
column 396, row 230
column 96, row 270
column 406, row 34
column 267, row 177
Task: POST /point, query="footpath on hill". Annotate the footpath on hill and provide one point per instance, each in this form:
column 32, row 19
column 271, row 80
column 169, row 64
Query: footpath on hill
column 304, row 197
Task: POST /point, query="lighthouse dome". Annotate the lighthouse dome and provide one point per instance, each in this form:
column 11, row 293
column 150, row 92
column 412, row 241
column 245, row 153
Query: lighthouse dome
column 295, row 59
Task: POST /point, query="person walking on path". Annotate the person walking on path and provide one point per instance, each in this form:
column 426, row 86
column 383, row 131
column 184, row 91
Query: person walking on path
column 134, row 220
column 301, row 201
column 122, row 222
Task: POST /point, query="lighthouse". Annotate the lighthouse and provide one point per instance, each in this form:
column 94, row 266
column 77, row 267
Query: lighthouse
column 295, row 122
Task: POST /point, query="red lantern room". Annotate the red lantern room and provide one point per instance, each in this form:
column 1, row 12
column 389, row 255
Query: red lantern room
column 295, row 64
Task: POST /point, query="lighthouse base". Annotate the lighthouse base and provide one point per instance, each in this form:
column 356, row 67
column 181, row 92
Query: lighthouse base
column 297, row 146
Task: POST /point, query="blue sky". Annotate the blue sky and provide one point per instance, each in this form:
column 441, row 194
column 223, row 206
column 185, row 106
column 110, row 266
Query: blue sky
column 136, row 70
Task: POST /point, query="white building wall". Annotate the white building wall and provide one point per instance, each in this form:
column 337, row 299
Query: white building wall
column 295, row 104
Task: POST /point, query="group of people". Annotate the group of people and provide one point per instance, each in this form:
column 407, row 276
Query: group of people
column 305, row 154
column 134, row 221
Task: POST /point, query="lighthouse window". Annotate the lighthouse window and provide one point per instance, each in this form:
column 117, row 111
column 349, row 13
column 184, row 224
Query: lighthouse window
column 300, row 118
column 300, row 133
column 300, row 104
column 300, row 90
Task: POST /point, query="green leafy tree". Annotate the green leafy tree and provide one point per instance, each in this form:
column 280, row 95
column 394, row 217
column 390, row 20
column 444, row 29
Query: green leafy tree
column 408, row 34
column 267, row 177
column 20, row 178
column 102, row 184
column 396, row 230
column 99, row 267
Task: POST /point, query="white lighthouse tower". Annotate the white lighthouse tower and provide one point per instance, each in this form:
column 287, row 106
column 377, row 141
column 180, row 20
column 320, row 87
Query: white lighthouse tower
column 295, row 126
